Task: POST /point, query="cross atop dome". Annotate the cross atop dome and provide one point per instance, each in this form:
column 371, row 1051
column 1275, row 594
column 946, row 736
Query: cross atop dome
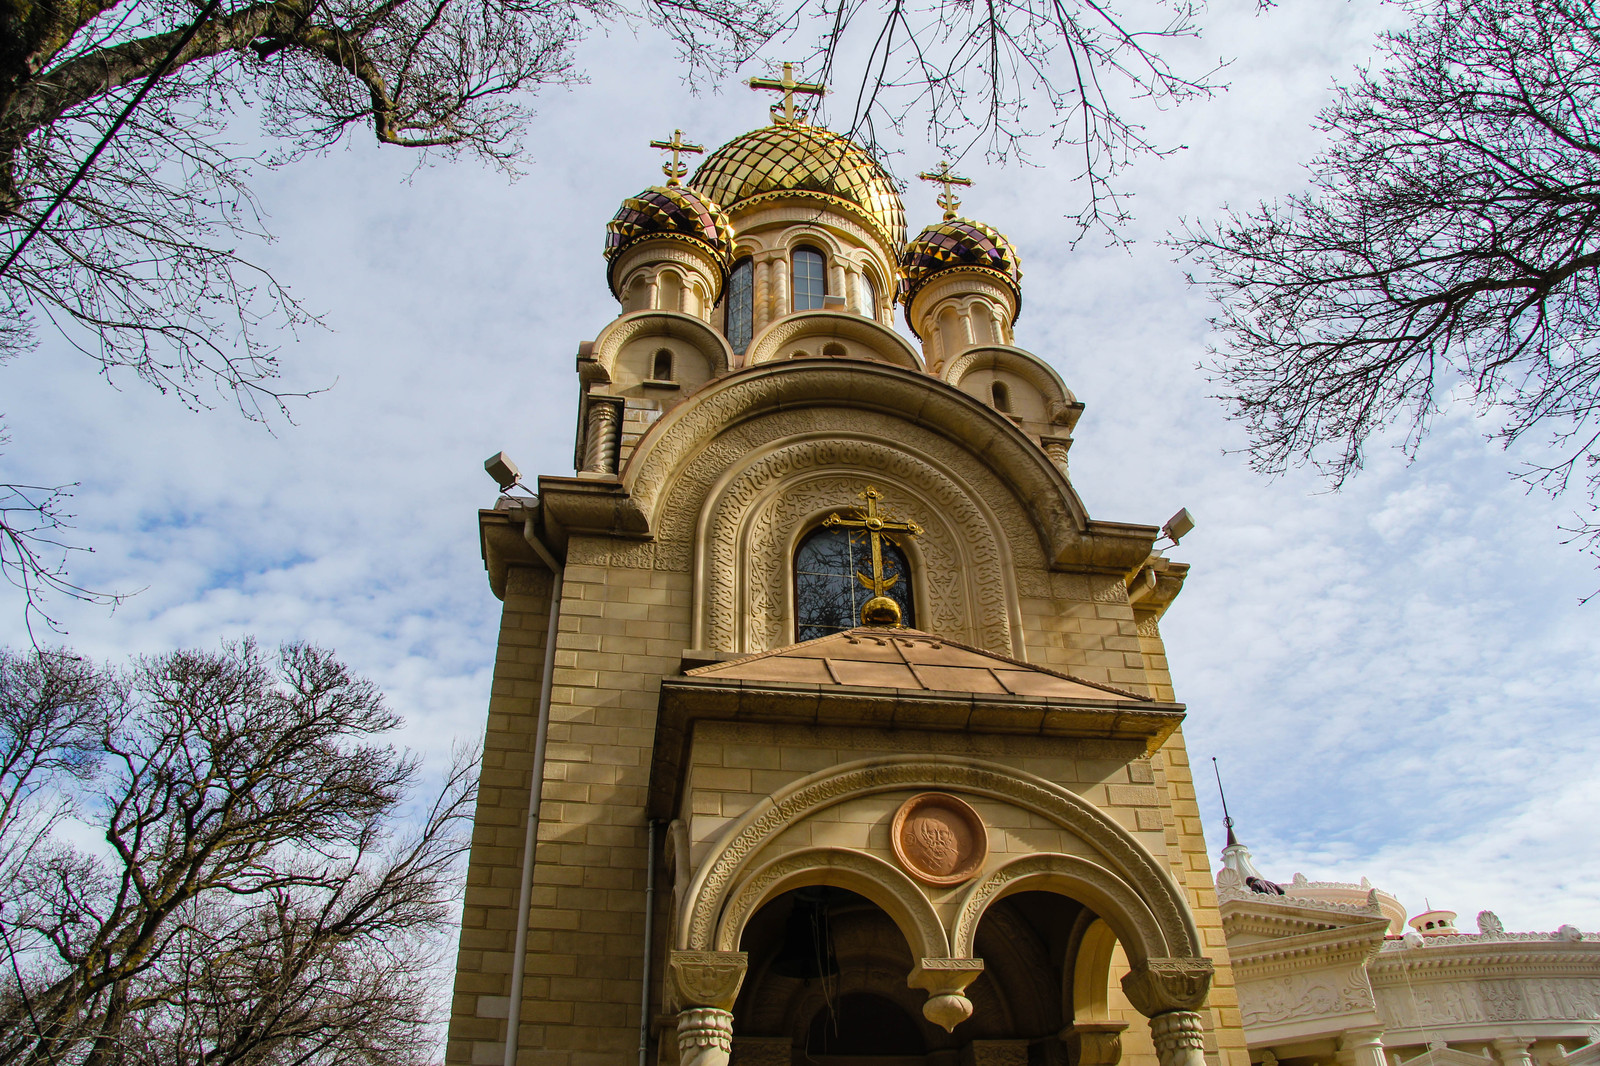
column 786, row 114
column 675, row 170
column 947, row 199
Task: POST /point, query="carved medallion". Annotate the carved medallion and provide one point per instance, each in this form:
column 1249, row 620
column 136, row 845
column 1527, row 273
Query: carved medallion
column 939, row 839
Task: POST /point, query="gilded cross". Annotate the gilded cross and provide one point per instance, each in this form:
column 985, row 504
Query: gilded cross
column 788, row 86
column 880, row 610
column 947, row 199
column 675, row 170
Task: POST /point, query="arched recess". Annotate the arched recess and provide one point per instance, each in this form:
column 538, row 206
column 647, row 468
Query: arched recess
column 688, row 450
column 1118, row 903
column 1095, row 944
column 811, row 330
column 756, row 514
column 637, row 324
column 889, row 888
column 1122, row 858
column 1024, row 364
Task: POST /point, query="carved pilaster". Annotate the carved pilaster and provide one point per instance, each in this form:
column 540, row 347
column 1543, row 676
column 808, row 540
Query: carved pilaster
column 946, row 981
column 1514, row 1050
column 605, row 416
column 705, row 1036
column 1179, row 1038
column 1168, row 985
column 1056, row 448
column 1362, row 1047
column 763, row 296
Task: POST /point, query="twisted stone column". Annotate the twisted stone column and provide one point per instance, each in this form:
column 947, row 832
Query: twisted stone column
column 1178, row 1038
column 600, row 445
column 705, row 1036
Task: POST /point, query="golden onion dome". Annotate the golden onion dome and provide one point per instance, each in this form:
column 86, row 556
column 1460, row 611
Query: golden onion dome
column 791, row 158
column 675, row 212
column 958, row 242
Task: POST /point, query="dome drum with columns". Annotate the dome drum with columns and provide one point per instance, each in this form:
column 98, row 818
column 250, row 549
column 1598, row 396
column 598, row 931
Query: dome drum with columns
column 842, row 731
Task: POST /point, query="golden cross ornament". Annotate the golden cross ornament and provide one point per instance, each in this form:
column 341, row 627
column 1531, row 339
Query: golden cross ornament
column 880, row 610
column 947, row 199
column 788, row 86
column 675, row 170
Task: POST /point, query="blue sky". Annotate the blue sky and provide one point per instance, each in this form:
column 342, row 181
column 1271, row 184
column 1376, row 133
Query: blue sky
column 1397, row 678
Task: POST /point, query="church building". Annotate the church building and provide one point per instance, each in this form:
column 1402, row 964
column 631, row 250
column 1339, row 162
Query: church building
column 828, row 726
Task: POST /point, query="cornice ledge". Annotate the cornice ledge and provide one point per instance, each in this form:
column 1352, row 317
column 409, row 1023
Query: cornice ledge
column 595, row 505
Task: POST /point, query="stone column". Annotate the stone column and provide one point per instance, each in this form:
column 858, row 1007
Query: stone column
column 836, row 282
column 704, row 985
column 780, row 287
column 761, row 297
column 852, row 290
column 652, row 292
column 1364, row 1047
column 1514, row 1050
column 600, row 441
column 1170, row 992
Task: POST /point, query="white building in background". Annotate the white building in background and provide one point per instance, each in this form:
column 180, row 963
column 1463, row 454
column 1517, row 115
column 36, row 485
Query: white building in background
column 1332, row 973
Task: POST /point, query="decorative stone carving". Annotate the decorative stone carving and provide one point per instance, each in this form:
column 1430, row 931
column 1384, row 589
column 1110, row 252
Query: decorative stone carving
column 1272, row 1000
column 706, row 978
column 600, row 438
column 1095, row 1043
column 946, row 981
column 705, row 1036
column 1168, row 985
column 1179, row 1038
column 939, row 839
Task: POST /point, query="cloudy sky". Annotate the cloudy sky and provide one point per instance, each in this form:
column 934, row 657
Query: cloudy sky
column 1397, row 678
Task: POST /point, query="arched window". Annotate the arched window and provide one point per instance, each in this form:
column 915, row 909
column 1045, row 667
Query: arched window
column 829, row 587
column 809, row 279
column 741, row 305
column 1001, row 396
column 869, row 295
column 661, row 369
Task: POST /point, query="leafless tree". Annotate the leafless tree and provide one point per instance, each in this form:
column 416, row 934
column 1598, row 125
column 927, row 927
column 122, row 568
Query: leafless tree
column 1447, row 252
column 261, row 896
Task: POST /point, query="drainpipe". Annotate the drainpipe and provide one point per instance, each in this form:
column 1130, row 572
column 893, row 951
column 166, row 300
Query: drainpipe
column 649, row 924
column 519, row 960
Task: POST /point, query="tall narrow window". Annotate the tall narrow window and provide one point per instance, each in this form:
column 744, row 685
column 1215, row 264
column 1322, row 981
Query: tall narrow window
column 810, row 285
column 869, row 296
column 662, row 369
column 828, row 589
column 741, row 305
column 1001, row 395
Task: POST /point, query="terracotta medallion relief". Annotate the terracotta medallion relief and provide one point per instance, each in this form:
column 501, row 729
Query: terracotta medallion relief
column 939, row 839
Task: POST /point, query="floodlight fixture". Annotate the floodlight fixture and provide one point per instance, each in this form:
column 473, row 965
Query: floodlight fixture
column 503, row 470
column 1178, row 526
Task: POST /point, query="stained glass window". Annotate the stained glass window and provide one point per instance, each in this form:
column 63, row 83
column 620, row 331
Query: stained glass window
column 741, row 305
column 828, row 596
column 809, row 284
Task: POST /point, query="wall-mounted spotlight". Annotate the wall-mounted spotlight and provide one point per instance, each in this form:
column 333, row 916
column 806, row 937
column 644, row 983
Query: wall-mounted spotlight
column 1178, row 526
column 503, row 470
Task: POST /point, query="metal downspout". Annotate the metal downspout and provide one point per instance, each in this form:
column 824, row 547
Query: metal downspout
column 649, row 928
column 519, row 958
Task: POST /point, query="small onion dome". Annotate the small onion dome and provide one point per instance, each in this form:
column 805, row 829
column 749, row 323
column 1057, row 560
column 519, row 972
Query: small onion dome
column 958, row 242
column 675, row 212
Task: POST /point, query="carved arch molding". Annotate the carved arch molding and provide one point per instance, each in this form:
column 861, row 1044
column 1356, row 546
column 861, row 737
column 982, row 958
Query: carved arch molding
column 744, row 500
column 1125, row 884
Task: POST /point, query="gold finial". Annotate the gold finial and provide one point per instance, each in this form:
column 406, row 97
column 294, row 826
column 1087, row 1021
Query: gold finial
column 880, row 610
column 675, row 170
column 787, row 113
column 947, row 199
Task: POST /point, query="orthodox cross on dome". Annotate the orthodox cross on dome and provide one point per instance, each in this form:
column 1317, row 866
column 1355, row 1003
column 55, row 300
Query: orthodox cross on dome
column 947, row 199
column 675, row 170
column 786, row 113
column 880, row 610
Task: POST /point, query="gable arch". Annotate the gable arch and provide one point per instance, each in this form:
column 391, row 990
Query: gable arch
column 1124, row 866
column 677, row 463
column 669, row 324
column 864, row 337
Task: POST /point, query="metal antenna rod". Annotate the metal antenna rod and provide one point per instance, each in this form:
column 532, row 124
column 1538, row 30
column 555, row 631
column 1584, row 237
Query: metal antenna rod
column 1226, row 820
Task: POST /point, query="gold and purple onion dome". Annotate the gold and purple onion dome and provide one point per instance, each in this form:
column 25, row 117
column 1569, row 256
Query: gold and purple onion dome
column 793, row 157
column 675, row 212
column 958, row 242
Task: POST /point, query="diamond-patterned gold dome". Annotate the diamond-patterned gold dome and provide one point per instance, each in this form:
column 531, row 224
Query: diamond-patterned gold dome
column 674, row 212
column 958, row 242
column 795, row 157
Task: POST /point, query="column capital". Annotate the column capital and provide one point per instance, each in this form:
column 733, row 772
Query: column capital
column 706, row 978
column 1163, row 985
column 946, row 981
